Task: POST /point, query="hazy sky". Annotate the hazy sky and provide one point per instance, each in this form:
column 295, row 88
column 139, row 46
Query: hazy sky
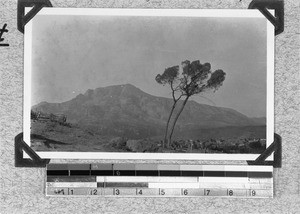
column 74, row 53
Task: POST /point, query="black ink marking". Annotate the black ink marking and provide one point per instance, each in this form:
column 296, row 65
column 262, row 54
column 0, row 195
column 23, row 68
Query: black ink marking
column 3, row 30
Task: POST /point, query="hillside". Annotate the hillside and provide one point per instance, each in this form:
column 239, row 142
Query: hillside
column 123, row 118
column 124, row 110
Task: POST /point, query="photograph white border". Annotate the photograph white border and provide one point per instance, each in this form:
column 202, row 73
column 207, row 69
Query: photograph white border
column 238, row 13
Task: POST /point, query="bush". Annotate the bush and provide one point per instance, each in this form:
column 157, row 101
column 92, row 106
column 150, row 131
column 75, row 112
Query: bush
column 118, row 143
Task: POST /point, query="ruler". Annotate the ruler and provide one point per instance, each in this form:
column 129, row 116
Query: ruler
column 159, row 180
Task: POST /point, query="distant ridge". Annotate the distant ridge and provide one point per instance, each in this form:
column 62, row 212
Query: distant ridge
column 126, row 108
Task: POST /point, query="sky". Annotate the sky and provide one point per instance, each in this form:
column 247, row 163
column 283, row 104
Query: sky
column 71, row 54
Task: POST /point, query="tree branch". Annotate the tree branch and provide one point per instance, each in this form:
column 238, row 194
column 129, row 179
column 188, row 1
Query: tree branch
column 173, row 91
column 179, row 97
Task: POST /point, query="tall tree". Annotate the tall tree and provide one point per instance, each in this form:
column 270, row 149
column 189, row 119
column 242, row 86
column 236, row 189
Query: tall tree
column 195, row 78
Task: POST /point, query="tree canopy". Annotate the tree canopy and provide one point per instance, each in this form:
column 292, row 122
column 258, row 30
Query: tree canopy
column 195, row 78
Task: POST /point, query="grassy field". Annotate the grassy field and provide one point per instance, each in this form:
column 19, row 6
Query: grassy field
column 53, row 136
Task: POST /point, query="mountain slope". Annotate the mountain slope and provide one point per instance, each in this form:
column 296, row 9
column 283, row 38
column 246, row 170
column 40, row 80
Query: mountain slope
column 127, row 110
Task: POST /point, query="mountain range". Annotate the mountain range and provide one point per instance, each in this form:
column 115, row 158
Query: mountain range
column 125, row 110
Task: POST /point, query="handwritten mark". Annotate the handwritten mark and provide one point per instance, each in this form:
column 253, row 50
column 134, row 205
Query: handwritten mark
column 3, row 30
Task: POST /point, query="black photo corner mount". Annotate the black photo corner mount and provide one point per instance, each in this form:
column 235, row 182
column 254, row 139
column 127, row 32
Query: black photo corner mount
column 277, row 5
column 36, row 161
column 261, row 5
column 278, row 21
column 275, row 147
column 33, row 161
column 36, row 5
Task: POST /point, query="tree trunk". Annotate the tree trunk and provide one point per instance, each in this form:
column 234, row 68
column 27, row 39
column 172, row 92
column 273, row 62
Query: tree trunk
column 167, row 127
column 176, row 118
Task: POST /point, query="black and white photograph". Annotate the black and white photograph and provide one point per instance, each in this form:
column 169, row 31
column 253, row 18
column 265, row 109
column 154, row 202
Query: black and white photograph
column 143, row 83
